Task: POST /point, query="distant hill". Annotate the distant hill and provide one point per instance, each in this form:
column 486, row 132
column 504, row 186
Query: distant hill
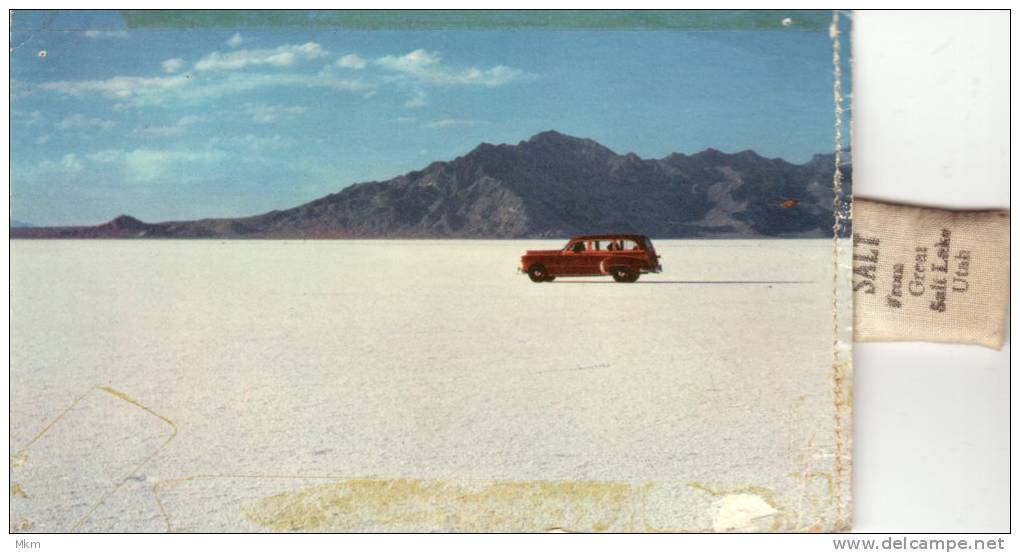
column 20, row 224
column 551, row 185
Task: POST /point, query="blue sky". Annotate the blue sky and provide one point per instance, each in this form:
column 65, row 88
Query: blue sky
column 177, row 124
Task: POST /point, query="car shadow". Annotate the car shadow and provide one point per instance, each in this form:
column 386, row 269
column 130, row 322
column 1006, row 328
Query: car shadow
column 687, row 282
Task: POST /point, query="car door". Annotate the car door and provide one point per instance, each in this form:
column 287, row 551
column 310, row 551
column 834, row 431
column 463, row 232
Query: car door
column 570, row 259
column 592, row 257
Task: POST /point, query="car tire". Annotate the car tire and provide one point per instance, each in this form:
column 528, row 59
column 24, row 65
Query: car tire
column 550, row 278
column 623, row 274
column 537, row 273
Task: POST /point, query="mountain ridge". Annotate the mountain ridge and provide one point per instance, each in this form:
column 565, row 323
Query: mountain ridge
column 551, row 185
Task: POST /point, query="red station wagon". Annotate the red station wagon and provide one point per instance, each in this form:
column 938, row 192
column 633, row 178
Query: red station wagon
column 623, row 256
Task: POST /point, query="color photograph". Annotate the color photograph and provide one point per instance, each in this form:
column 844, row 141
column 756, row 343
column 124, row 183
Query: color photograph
column 430, row 271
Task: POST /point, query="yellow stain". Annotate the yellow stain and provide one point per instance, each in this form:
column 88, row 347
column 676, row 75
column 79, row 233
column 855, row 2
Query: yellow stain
column 18, row 491
column 23, row 525
column 406, row 504
column 18, row 459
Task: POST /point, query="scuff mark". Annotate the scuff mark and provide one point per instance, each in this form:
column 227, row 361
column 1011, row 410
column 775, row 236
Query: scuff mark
column 743, row 509
column 579, row 368
column 740, row 512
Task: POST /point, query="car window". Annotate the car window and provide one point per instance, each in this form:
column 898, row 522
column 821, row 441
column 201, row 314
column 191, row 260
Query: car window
column 630, row 245
column 577, row 247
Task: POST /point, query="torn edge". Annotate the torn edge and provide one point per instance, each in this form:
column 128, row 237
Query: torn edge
column 841, row 352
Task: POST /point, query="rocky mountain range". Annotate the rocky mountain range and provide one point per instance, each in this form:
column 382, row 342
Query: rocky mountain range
column 551, row 185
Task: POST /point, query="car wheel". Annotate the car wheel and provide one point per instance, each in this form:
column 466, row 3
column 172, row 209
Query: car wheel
column 537, row 273
column 623, row 274
column 550, row 278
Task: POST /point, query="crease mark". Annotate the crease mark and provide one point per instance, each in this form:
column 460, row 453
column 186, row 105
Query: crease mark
column 19, row 458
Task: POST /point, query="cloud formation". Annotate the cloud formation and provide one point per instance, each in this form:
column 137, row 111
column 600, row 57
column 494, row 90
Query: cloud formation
column 237, row 73
column 419, row 99
column 235, row 40
column 447, row 123
column 172, row 65
column 148, row 164
column 281, row 56
column 262, row 113
column 82, row 122
column 106, row 34
column 427, row 67
column 136, row 91
column 67, row 163
column 29, row 118
column 352, row 61
column 177, row 129
column 117, row 87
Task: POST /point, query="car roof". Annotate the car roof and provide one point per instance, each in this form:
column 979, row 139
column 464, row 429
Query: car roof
column 610, row 237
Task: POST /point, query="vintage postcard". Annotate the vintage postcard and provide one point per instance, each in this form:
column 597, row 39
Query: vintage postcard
column 430, row 271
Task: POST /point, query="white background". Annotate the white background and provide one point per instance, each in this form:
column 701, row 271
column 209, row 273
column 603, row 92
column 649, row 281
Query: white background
column 931, row 126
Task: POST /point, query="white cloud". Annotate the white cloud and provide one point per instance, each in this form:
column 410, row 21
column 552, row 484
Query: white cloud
column 106, row 156
column 447, row 123
column 162, row 131
column 235, row 40
column 147, row 165
column 244, row 82
column 27, row 117
column 134, row 91
column 172, row 65
column 263, row 113
column 160, row 155
column 118, row 87
column 69, row 163
column 254, row 142
column 178, row 128
column 352, row 61
column 106, row 34
column 418, row 100
column 405, row 120
column 428, row 67
column 138, row 165
column 280, row 56
column 40, row 140
column 82, row 122
column 191, row 119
